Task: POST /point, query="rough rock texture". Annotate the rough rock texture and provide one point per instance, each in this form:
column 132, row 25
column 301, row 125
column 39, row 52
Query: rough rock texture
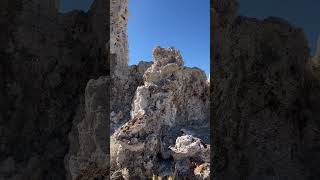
column 172, row 97
column 124, row 79
column 89, row 137
column 191, row 152
column 118, row 37
column 164, row 95
column 46, row 61
column 103, row 113
column 265, row 99
column 123, row 89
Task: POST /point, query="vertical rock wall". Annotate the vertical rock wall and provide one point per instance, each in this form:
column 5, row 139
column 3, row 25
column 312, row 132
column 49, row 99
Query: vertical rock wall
column 47, row 59
column 106, row 105
column 118, row 36
column 264, row 98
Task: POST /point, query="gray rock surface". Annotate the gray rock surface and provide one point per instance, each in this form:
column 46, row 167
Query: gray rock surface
column 164, row 95
column 265, row 96
column 103, row 113
column 46, row 61
column 172, row 97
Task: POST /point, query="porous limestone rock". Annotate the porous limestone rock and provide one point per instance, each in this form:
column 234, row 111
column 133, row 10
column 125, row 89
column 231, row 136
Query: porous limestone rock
column 189, row 146
column 124, row 79
column 172, row 97
column 102, row 113
column 118, row 36
column 89, row 140
column 192, row 155
column 123, row 89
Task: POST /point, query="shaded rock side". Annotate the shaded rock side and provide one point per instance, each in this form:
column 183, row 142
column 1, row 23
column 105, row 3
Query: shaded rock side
column 124, row 78
column 92, row 127
column 264, row 98
column 47, row 59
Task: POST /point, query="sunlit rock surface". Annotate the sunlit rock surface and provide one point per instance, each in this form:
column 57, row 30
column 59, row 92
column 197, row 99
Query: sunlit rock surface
column 172, row 97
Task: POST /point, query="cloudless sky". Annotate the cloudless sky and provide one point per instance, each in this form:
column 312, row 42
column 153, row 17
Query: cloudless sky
column 184, row 24
column 301, row 13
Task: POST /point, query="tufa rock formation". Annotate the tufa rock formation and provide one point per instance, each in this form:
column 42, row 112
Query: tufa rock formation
column 47, row 58
column 150, row 104
column 265, row 99
column 106, row 105
column 173, row 97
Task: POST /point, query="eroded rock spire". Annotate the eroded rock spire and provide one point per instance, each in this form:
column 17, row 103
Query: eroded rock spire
column 173, row 97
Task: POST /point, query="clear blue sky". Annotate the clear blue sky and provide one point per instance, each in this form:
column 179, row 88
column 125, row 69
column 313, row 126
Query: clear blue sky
column 301, row 13
column 184, row 24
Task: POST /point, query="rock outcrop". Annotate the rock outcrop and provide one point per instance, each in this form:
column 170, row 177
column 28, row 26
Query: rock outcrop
column 89, row 138
column 173, row 97
column 47, row 58
column 107, row 104
column 150, row 104
column 265, row 97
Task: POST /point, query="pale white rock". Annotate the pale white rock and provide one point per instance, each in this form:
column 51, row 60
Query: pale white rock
column 172, row 97
column 190, row 146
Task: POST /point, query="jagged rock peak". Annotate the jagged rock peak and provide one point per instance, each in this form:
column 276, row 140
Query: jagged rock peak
column 164, row 56
column 167, row 61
